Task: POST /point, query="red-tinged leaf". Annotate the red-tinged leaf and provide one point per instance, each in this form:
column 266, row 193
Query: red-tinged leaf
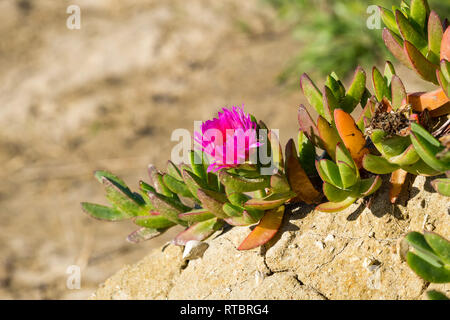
column 435, row 34
column 367, row 113
column 213, row 202
column 297, row 177
column 265, row 230
column 329, row 103
column 308, row 126
column 199, row 231
column 398, row 92
column 389, row 19
column 245, row 220
column 312, row 93
column 428, row 100
column 336, row 206
column 144, row 234
column 397, row 181
column 356, row 90
column 329, row 136
column 421, row 65
column 351, row 136
column 270, row 202
column 153, row 222
column 408, row 32
column 277, row 152
column 369, row 186
column 395, row 46
column 380, row 85
column 445, row 45
column 196, row 215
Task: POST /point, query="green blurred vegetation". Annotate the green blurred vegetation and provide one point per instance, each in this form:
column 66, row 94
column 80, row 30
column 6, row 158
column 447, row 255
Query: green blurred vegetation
column 334, row 36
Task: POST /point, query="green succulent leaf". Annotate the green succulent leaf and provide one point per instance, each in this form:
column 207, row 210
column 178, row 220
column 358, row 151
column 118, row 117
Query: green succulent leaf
column 436, row 295
column 408, row 157
column 153, row 222
column 173, row 170
column 427, row 147
column 398, row 92
column 348, row 174
column 426, row 270
column 104, row 213
column 440, row 246
column 336, row 206
column 389, row 72
column 343, row 155
column 306, row 154
column 213, row 202
column 312, row 94
column 193, row 182
column 380, row 85
column 234, row 183
column 355, row 92
column 419, row 13
column 435, row 34
column 409, row 32
column 378, row 165
column 196, row 215
column 420, row 63
column 279, row 183
column 442, row 186
column 176, row 186
column 369, row 186
column 168, row 207
column 420, row 168
column 334, row 194
column 158, row 183
column 329, row 172
column 121, row 200
column 389, row 20
column 395, row 46
column 198, row 164
column 422, row 248
column 272, row 201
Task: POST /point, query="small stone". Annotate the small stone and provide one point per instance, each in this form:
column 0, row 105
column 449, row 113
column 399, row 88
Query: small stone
column 329, row 237
column 228, row 290
column 194, row 249
column 319, row 244
column 259, row 277
column 371, row 234
column 430, row 227
column 371, row 264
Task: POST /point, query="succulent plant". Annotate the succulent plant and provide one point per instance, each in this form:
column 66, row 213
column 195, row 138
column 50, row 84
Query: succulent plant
column 414, row 35
column 202, row 197
column 429, row 258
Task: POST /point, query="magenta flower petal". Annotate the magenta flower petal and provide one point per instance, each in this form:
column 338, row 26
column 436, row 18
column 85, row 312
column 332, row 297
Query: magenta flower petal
column 228, row 140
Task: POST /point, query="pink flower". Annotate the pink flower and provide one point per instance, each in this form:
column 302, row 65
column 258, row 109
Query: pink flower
column 229, row 140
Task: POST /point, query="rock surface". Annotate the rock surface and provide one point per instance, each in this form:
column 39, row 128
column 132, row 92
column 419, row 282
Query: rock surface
column 349, row 255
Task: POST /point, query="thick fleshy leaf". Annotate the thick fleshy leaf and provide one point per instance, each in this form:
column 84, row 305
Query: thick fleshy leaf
column 173, row 170
column 393, row 146
column 408, row 157
column 336, row 206
column 418, row 13
column 395, row 46
column 421, row 65
column 235, row 183
column 279, row 183
column 427, row 147
column 157, row 181
column 335, row 87
column 306, row 154
column 420, row 168
column 144, row 234
column 297, row 177
column 398, row 92
column 380, row 85
column 351, row 136
column 308, row 126
column 397, row 181
column 442, row 186
column 121, row 200
column 198, row 231
column 436, row 295
column 270, row 202
column 153, row 222
column 426, row 270
column 428, row 100
column 329, row 172
column 193, row 182
column 265, row 230
column 348, row 174
column 197, row 215
column 197, row 164
column 168, row 207
column 355, row 92
column 342, row 154
column 440, row 245
column 329, row 103
column 104, row 213
column 312, row 94
column 329, row 136
column 389, row 20
column 232, row 210
column 445, row 45
column 277, row 151
column 443, row 82
column 369, row 186
column 238, row 198
column 176, row 186
column 213, row 202
column 409, row 33
column 247, row 218
column 334, row 194
column 435, row 34
column 367, row 113
column 378, row 165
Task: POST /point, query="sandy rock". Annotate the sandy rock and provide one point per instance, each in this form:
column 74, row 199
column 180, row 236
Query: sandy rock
column 358, row 257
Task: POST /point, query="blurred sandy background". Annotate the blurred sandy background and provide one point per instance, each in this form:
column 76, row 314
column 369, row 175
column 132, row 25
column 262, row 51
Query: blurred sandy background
column 108, row 96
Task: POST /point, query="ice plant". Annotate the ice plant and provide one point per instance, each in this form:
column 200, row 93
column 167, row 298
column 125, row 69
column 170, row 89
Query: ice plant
column 428, row 255
column 229, row 140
